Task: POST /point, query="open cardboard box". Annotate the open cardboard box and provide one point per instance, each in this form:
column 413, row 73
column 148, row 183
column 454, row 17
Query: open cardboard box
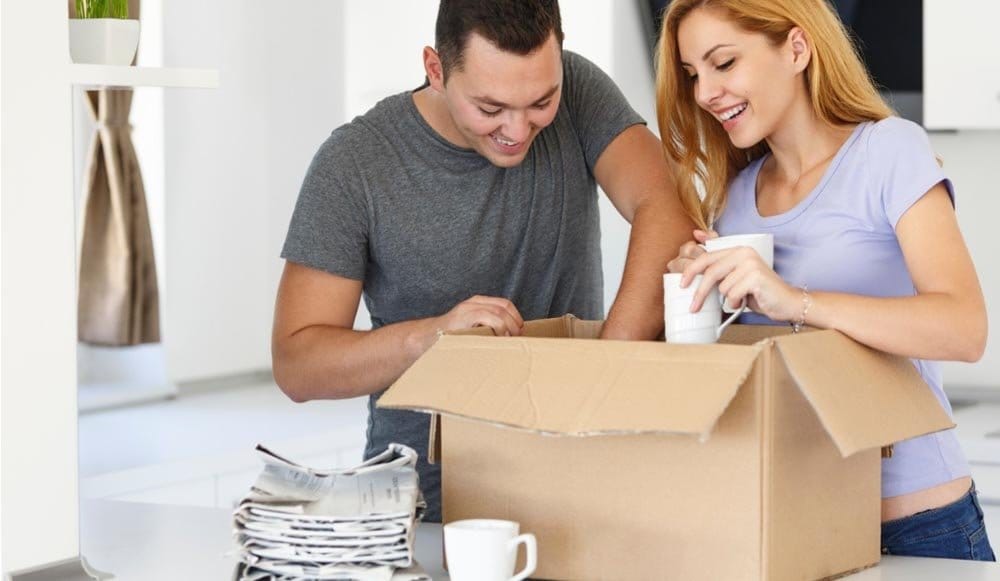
column 755, row 458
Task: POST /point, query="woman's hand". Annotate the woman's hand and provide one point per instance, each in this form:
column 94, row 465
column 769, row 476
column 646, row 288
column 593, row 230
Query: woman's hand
column 690, row 250
column 742, row 273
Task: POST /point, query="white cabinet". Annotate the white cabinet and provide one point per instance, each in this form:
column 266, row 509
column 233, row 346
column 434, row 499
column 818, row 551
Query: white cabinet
column 961, row 64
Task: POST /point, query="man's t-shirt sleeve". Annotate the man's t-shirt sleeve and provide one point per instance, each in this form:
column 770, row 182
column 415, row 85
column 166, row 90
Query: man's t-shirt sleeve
column 596, row 105
column 330, row 224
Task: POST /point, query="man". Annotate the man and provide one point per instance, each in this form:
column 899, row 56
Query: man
column 469, row 201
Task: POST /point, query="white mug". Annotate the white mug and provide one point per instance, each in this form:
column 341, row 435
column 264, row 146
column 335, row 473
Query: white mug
column 762, row 243
column 683, row 326
column 486, row 550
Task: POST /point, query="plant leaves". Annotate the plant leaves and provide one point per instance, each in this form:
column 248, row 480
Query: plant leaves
column 102, row 8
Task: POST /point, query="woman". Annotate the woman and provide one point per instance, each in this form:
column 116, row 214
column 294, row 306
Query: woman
column 766, row 108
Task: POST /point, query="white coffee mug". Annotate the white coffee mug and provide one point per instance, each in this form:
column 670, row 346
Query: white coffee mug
column 486, row 550
column 762, row 243
column 683, row 326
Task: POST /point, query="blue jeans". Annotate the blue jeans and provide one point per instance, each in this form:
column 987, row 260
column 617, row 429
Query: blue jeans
column 953, row 531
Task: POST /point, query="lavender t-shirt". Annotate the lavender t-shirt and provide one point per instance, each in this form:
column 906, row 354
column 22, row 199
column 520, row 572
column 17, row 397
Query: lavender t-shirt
column 841, row 238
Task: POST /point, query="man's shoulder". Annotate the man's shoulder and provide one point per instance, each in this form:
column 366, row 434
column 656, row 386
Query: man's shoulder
column 382, row 115
column 577, row 65
column 366, row 131
column 585, row 82
column 386, row 111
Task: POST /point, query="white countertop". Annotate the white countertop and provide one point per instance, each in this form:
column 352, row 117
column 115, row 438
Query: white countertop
column 158, row 542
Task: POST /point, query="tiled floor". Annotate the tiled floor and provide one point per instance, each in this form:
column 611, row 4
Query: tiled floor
column 199, row 449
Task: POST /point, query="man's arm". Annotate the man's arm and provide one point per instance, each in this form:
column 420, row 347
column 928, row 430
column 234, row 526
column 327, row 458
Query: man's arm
column 637, row 179
column 316, row 354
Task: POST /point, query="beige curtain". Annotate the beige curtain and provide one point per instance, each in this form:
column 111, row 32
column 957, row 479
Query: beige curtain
column 118, row 299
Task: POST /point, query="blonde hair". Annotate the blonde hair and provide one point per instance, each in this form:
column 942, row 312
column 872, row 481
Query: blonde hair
column 839, row 86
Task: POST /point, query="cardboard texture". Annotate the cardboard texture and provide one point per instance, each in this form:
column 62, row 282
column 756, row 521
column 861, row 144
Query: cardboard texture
column 754, row 458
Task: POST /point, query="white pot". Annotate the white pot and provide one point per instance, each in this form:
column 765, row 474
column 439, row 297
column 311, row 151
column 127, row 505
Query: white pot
column 103, row 41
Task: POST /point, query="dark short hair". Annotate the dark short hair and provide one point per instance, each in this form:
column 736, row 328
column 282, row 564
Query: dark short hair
column 517, row 26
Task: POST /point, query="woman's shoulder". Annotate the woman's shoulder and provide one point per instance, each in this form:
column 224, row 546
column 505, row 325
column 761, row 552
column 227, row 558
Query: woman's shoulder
column 901, row 164
column 894, row 132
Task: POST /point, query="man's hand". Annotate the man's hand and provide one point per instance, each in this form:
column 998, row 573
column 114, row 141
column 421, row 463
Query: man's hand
column 317, row 355
column 496, row 313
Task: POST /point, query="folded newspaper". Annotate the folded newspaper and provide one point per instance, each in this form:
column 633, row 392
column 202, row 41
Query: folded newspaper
column 355, row 524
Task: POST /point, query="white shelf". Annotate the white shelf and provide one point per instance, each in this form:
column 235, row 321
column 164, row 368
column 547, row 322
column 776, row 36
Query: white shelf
column 122, row 76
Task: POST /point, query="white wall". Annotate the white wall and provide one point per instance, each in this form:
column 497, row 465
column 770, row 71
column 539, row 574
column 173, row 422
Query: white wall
column 383, row 51
column 235, row 158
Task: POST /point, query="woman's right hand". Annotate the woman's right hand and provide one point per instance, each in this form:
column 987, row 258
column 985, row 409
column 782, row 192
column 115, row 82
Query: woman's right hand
column 691, row 250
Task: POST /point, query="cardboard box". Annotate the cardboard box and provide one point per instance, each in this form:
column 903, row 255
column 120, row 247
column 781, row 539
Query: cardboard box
column 755, row 458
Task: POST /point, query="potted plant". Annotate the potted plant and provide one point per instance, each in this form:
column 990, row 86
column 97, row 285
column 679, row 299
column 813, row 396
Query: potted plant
column 102, row 33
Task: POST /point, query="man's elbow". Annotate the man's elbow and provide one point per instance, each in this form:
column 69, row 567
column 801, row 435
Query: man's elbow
column 300, row 388
column 288, row 371
column 289, row 385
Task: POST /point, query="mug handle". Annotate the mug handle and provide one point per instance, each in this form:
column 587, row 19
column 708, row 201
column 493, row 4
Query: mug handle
column 531, row 554
column 731, row 318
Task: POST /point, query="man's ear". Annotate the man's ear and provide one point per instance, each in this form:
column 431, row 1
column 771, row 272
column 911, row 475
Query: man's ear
column 433, row 69
column 800, row 48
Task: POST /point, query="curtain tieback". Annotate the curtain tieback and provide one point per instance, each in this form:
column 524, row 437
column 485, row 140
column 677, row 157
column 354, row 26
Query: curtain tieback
column 102, row 125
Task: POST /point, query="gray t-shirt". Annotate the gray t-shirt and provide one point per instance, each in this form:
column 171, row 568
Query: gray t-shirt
column 425, row 224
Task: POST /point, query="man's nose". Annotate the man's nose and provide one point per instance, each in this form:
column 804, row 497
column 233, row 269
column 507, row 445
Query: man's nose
column 518, row 127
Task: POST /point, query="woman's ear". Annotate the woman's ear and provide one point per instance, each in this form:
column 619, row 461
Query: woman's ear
column 800, row 48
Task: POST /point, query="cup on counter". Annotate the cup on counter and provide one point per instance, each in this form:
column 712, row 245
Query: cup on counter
column 762, row 243
column 683, row 326
column 486, row 550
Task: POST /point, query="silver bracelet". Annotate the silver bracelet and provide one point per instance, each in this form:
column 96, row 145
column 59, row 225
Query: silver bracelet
column 806, row 303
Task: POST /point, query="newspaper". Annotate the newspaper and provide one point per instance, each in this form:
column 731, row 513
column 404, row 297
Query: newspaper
column 246, row 572
column 355, row 524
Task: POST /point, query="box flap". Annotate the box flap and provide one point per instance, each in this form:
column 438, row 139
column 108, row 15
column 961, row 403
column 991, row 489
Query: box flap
column 864, row 398
column 575, row 386
column 434, row 440
column 557, row 327
column 580, row 329
column 564, row 327
column 740, row 334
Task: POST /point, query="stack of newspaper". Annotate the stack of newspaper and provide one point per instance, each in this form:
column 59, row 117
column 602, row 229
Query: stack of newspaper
column 354, row 524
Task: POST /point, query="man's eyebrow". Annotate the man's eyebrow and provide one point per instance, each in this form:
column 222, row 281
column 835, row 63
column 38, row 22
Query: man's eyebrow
column 490, row 101
column 709, row 52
